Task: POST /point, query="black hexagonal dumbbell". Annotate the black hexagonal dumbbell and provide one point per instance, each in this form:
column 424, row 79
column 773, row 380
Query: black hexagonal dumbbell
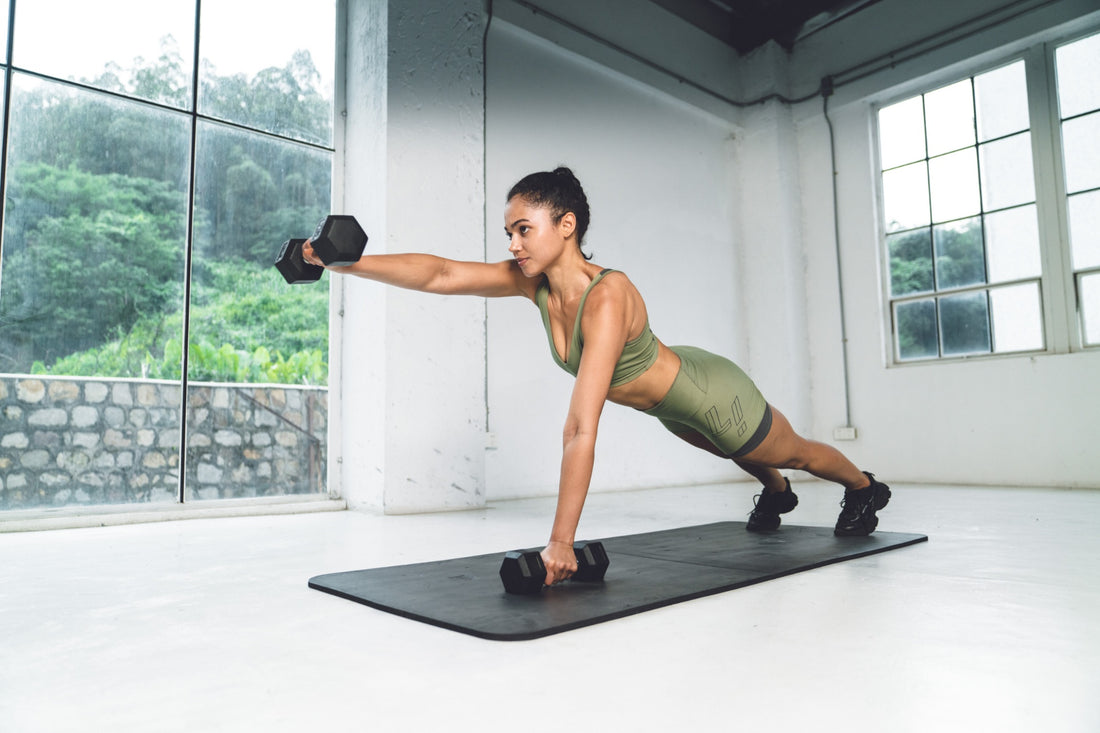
column 522, row 571
column 338, row 240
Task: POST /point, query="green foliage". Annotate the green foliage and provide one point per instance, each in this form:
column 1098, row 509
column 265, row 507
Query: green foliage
column 246, row 325
column 106, row 250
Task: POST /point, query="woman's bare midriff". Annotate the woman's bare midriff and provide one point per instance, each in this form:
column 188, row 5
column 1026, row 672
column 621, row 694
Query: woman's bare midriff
column 651, row 387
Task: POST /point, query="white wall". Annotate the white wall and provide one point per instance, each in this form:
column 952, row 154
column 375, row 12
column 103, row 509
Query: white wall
column 1018, row 420
column 658, row 177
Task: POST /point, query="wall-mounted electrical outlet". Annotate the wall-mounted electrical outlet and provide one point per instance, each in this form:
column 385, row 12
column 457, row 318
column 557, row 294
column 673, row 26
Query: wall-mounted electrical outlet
column 844, row 433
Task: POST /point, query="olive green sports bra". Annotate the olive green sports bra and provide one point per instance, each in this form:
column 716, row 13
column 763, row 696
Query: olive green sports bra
column 639, row 354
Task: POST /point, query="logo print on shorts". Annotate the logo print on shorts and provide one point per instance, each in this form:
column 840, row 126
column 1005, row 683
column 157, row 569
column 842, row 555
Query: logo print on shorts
column 715, row 423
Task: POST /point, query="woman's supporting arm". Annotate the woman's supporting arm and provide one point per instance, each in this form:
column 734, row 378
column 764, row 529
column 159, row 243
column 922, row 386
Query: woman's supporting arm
column 605, row 325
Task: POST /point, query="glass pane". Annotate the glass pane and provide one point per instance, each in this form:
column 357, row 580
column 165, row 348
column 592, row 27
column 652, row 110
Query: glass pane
column 905, row 197
column 910, row 262
column 901, row 133
column 964, row 323
column 960, row 255
column 4, row 31
column 916, row 330
column 1081, row 148
column 954, row 184
column 248, row 327
column 1017, row 318
column 279, row 77
column 90, row 179
column 950, row 118
column 1084, row 229
column 1012, row 244
column 1090, row 308
column 150, row 55
column 1007, row 175
column 89, row 176
column 1078, row 82
column 1001, row 97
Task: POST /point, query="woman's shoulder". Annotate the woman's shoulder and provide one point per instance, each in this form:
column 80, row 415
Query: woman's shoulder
column 615, row 287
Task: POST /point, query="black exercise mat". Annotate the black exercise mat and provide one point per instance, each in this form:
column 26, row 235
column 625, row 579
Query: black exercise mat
column 647, row 571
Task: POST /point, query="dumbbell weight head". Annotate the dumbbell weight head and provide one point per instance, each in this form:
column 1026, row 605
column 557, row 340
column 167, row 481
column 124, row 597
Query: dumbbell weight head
column 339, row 240
column 523, row 572
column 592, row 561
column 291, row 265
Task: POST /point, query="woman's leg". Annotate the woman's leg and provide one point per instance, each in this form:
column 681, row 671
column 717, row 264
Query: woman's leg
column 771, row 478
column 784, row 448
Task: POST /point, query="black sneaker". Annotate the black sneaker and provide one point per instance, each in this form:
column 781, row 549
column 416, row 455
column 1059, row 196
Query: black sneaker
column 857, row 518
column 768, row 507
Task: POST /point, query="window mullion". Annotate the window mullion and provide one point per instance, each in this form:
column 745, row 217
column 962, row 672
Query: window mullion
column 1059, row 302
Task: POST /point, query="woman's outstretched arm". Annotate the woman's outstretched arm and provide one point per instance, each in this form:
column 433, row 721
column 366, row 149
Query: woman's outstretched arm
column 432, row 274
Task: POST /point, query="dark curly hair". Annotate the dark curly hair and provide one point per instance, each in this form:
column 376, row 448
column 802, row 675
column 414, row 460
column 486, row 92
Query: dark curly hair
column 558, row 190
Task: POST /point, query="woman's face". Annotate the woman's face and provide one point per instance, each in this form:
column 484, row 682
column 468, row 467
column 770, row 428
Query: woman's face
column 534, row 240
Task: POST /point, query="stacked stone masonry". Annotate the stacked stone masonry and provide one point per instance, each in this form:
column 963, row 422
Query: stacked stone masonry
column 67, row 442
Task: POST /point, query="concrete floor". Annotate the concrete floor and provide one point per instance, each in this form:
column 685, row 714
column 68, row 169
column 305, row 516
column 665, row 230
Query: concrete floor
column 207, row 625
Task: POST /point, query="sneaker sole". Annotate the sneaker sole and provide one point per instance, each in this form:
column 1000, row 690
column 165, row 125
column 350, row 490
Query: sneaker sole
column 879, row 500
column 754, row 526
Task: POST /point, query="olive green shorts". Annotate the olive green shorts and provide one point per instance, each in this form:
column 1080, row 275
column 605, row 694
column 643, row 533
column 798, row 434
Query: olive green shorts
column 712, row 396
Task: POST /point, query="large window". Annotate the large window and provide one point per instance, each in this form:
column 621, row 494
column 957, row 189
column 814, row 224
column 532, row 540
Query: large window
column 149, row 351
column 973, row 243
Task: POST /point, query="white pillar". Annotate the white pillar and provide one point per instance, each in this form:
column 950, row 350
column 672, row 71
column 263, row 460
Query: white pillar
column 411, row 415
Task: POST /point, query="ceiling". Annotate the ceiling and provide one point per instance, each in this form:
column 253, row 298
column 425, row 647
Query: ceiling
column 748, row 24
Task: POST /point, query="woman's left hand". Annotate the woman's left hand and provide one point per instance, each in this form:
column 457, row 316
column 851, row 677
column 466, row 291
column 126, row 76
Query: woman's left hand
column 560, row 562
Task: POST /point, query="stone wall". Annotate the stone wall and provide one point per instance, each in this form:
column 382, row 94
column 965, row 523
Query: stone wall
column 66, row 441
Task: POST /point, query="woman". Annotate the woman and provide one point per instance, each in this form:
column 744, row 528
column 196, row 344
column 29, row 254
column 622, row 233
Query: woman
column 598, row 329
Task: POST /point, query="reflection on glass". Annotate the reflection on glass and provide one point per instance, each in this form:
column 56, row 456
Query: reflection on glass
column 1017, row 318
column 901, row 133
column 910, row 262
column 140, row 51
column 1089, row 285
column 1001, row 97
column 949, row 115
column 1012, row 244
column 281, row 79
column 916, row 330
column 1084, row 229
column 247, row 325
column 954, row 182
column 90, row 180
column 1081, row 149
column 964, row 324
column 1007, row 178
column 259, row 348
column 905, row 197
column 1078, row 82
column 960, row 255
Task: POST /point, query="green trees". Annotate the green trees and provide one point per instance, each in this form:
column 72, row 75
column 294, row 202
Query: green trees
column 95, row 230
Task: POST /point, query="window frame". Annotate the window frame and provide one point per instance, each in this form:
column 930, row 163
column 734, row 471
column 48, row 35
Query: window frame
column 1059, row 293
